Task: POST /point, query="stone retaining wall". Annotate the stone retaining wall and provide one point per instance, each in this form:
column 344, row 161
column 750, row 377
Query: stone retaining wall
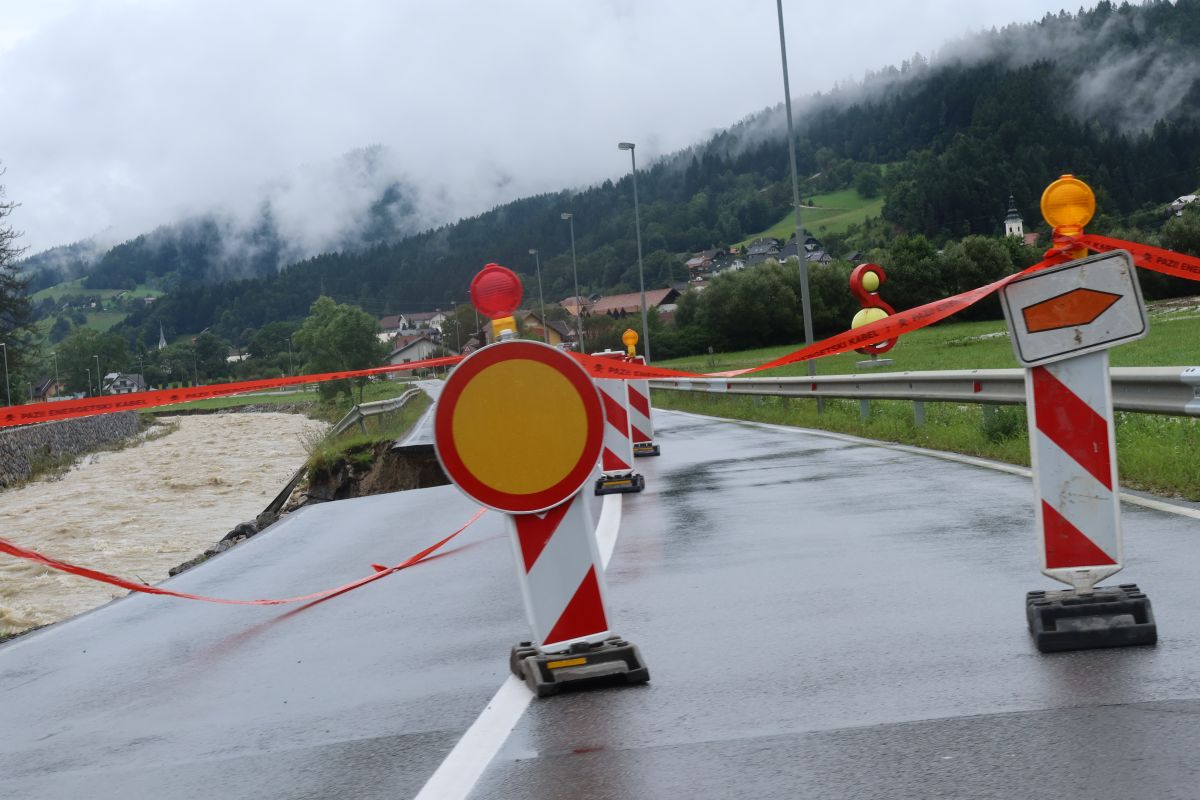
column 21, row 446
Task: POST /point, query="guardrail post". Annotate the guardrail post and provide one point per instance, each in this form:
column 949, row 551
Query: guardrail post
column 989, row 414
column 864, row 408
column 918, row 412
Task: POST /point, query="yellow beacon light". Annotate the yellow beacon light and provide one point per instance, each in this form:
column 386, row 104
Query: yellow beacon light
column 630, row 339
column 1068, row 204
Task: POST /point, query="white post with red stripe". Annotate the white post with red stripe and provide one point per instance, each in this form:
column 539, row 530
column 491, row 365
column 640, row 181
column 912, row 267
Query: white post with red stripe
column 641, row 421
column 561, row 575
column 1063, row 320
column 1073, row 449
column 616, row 459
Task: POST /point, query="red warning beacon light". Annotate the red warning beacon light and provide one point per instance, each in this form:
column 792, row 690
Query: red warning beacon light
column 496, row 292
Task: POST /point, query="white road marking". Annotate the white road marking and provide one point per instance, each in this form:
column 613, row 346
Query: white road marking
column 987, row 463
column 457, row 775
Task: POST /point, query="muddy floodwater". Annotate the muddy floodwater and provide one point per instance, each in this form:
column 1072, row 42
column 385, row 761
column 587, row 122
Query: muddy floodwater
column 140, row 511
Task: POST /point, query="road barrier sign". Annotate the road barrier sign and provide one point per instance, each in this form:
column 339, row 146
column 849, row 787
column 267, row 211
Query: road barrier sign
column 519, row 428
column 641, row 421
column 1075, row 308
column 1062, row 320
column 616, row 462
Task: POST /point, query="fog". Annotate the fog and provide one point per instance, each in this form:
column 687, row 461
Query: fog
column 122, row 115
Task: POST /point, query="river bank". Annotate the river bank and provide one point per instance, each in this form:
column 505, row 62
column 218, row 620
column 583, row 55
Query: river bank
column 140, row 511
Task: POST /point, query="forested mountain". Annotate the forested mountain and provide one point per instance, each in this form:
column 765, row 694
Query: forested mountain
column 1111, row 95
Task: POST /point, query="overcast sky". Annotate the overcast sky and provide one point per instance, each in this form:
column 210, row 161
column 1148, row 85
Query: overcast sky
column 117, row 115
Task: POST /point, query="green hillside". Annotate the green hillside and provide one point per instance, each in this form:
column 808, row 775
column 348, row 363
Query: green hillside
column 833, row 212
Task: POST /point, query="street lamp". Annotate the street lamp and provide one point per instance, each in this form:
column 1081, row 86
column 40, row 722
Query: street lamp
column 99, row 385
column 88, row 370
column 7, row 387
column 800, row 257
column 569, row 217
column 638, row 225
column 541, row 299
column 291, row 360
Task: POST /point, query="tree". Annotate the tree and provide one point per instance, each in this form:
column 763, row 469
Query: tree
column 16, row 316
column 337, row 337
column 77, row 356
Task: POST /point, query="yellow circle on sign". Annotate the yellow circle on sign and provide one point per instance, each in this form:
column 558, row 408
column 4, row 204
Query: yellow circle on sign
column 870, row 281
column 1068, row 204
column 520, row 426
column 867, row 315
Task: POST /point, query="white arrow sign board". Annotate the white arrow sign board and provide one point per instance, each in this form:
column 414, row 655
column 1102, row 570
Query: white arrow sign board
column 1075, row 308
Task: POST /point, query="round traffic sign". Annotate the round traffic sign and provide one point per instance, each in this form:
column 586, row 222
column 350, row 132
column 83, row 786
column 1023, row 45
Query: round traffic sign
column 519, row 426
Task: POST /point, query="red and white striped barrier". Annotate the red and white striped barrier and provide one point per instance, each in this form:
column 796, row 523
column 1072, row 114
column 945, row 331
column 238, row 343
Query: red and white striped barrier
column 616, row 459
column 1063, row 320
column 1073, row 451
column 562, row 580
column 518, row 427
column 641, row 421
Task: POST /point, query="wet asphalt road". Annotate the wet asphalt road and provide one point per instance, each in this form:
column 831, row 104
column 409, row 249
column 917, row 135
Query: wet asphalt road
column 821, row 618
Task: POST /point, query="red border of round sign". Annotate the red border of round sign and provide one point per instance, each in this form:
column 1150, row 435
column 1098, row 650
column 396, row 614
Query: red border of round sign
column 476, row 363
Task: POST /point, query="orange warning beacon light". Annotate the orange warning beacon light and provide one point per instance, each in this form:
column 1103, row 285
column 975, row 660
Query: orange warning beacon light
column 630, row 339
column 496, row 291
column 1067, row 205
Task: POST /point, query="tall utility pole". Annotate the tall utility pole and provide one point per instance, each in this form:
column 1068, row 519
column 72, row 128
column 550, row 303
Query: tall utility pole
column 569, row 217
column 787, row 103
column 637, row 220
column 7, row 386
column 541, row 298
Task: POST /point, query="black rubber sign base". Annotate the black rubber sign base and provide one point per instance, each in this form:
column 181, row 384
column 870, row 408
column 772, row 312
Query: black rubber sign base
column 613, row 661
column 1117, row 616
column 620, row 484
column 643, row 449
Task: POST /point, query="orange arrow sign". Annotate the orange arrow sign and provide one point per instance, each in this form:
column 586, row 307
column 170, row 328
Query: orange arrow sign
column 1068, row 310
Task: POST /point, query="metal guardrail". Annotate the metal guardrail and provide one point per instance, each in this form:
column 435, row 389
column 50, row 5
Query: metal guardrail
column 1152, row 390
column 355, row 417
column 360, row 413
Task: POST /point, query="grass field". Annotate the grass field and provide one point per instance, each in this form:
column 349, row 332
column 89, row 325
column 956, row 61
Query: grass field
column 1174, row 339
column 833, row 213
column 76, row 287
column 1155, row 453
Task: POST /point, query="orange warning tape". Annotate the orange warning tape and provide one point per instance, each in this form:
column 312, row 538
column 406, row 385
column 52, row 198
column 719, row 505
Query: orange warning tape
column 88, row 406
column 18, row 551
column 1167, row 262
column 1153, row 258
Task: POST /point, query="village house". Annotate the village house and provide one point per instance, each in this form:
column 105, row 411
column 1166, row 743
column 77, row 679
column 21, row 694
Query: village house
column 122, row 383
column 413, row 347
column 554, row 332
column 425, row 319
column 46, row 389
column 576, row 305
column 620, row 305
column 390, row 326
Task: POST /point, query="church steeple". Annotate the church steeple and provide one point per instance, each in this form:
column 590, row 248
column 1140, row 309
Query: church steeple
column 1013, row 224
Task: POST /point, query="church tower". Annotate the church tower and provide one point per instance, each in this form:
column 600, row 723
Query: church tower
column 1013, row 224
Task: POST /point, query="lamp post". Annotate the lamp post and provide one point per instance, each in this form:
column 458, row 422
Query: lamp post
column 7, row 387
column 570, row 218
column 291, row 359
column 55, row 357
column 88, row 370
column 541, row 298
column 99, row 384
column 637, row 219
column 803, row 262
